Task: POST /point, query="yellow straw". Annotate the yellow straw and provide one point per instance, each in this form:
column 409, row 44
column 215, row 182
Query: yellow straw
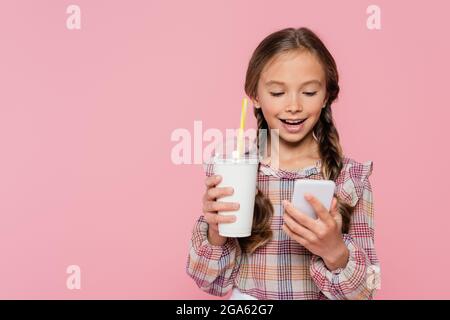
column 241, row 128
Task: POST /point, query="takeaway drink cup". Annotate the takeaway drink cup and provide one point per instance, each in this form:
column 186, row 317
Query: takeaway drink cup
column 240, row 174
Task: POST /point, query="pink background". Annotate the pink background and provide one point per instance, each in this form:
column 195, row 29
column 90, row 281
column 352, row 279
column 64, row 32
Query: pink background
column 86, row 117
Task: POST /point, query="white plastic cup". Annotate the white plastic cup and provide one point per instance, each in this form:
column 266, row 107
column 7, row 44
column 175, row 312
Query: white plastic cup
column 241, row 175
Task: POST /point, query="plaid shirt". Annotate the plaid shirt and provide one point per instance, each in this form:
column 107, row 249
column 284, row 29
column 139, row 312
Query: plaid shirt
column 283, row 269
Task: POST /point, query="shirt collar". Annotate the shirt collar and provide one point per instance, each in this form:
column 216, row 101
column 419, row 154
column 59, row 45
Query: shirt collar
column 267, row 169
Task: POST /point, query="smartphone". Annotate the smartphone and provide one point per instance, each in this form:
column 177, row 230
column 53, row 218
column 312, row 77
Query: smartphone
column 323, row 190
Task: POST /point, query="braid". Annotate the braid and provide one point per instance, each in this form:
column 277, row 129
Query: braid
column 329, row 146
column 332, row 158
column 263, row 210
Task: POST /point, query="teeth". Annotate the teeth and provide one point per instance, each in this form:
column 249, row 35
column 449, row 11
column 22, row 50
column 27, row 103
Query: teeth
column 293, row 121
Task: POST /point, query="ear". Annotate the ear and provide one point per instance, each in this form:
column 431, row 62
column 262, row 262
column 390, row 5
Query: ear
column 255, row 103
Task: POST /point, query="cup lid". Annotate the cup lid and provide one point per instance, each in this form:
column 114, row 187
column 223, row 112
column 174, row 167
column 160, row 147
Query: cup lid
column 228, row 150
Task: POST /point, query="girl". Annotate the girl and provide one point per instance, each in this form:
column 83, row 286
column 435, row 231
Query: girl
column 292, row 77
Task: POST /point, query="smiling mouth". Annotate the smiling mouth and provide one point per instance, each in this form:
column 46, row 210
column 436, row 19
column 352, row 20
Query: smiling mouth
column 292, row 122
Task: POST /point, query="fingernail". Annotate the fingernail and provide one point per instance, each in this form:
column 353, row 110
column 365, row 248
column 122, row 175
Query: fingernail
column 285, row 203
column 230, row 190
column 307, row 196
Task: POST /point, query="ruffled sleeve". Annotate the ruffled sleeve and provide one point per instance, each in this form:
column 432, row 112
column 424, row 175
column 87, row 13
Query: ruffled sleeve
column 212, row 267
column 350, row 184
column 361, row 276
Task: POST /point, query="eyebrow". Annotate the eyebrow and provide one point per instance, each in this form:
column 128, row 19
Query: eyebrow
column 268, row 83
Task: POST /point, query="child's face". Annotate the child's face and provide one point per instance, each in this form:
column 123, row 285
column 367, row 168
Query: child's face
column 283, row 93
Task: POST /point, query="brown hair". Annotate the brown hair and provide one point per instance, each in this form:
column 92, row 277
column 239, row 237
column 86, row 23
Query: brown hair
column 328, row 138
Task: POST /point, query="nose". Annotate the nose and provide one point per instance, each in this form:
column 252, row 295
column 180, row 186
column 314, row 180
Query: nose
column 294, row 105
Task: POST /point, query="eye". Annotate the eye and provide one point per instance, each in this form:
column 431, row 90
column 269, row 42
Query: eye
column 310, row 94
column 276, row 94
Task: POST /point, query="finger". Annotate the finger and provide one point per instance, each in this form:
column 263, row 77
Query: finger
column 318, row 207
column 214, row 206
column 298, row 229
column 212, row 181
column 218, row 192
column 214, row 227
column 334, row 209
column 214, row 218
column 299, row 216
column 294, row 236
